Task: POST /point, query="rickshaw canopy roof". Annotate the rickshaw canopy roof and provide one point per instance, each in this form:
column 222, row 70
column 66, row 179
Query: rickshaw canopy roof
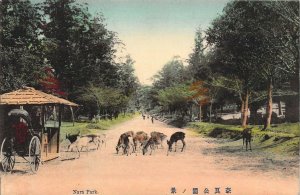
column 31, row 96
column 20, row 113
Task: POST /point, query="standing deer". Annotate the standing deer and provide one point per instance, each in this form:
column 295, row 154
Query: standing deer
column 247, row 138
column 174, row 138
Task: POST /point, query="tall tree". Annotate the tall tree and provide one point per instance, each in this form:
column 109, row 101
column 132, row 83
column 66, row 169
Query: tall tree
column 197, row 59
column 279, row 58
column 232, row 34
column 171, row 74
column 21, row 54
column 78, row 43
column 128, row 82
column 259, row 44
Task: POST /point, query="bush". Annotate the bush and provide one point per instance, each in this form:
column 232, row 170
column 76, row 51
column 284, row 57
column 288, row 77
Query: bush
column 93, row 126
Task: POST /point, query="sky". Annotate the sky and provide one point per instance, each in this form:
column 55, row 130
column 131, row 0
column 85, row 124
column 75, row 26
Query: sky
column 154, row 31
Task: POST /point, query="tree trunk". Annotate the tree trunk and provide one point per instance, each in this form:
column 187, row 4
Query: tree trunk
column 191, row 113
column 245, row 111
column 242, row 110
column 253, row 114
column 200, row 113
column 210, row 110
column 73, row 118
column 279, row 108
column 269, row 106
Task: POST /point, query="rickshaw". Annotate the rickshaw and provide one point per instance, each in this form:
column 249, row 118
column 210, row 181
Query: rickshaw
column 20, row 140
column 30, row 122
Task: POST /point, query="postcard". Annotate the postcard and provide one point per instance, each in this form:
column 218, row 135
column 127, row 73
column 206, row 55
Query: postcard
column 142, row 97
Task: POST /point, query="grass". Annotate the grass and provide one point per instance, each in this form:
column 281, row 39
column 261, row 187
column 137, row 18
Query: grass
column 87, row 127
column 280, row 139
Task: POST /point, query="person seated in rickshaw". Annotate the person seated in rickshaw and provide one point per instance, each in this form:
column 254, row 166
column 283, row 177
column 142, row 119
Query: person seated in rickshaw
column 19, row 132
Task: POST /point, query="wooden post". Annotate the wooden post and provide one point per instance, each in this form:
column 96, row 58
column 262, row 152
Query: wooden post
column 72, row 115
column 60, row 107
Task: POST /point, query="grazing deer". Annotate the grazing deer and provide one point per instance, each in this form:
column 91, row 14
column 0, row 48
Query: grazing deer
column 97, row 139
column 129, row 145
column 140, row 137
column 124, row 141
column 174, row 138
column 78, row 143
column 159, row 137
column 247, row 138
column 150, row 143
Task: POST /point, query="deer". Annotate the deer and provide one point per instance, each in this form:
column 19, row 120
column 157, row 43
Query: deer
column 129, row 145
column 159, row 137
column 150, row 143
column 72, row 138
column 174, row 138
column 124, row 142
column 97, row 139
column 247, row 136
column 78, row 142
column 140, row 137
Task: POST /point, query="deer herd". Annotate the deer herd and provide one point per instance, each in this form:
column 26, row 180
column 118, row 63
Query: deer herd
column 135, row 142
column 130, row 142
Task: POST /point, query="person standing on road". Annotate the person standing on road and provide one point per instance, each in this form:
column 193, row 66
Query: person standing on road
column 152, row 119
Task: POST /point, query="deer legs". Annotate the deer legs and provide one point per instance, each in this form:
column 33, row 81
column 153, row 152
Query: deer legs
column 183, row 143
column 246, row 142
column 249, row 145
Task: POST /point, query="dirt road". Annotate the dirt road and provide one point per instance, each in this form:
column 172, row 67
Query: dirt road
column 104, row 172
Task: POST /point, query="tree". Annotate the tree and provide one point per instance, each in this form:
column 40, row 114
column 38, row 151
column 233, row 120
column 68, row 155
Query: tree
column 232, row 34
column 50, row 84
column 279, row 58
column 175, row 98
column 107, row 99
column 128, row 82
column 171, row 74
column 76, row 42
column 21, row 52
column 199, row 95
column 258, row 44
column 197, row 59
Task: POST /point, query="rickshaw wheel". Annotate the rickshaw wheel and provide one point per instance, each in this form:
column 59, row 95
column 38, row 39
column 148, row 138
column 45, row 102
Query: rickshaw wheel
column 7, row 156
column 34, row 153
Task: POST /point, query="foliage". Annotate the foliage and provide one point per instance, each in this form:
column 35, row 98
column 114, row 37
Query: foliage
column 50, row 84
column 199, row 93
column 171, row 74
column 128, row 82
column 174, row 98
column 144, row 98
column 105, row 98
column 282, row 139
column 20, row 48
column 78, row 43
column 85, row 128
column 198, row 60
column 253, row 43
column 58, row 47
